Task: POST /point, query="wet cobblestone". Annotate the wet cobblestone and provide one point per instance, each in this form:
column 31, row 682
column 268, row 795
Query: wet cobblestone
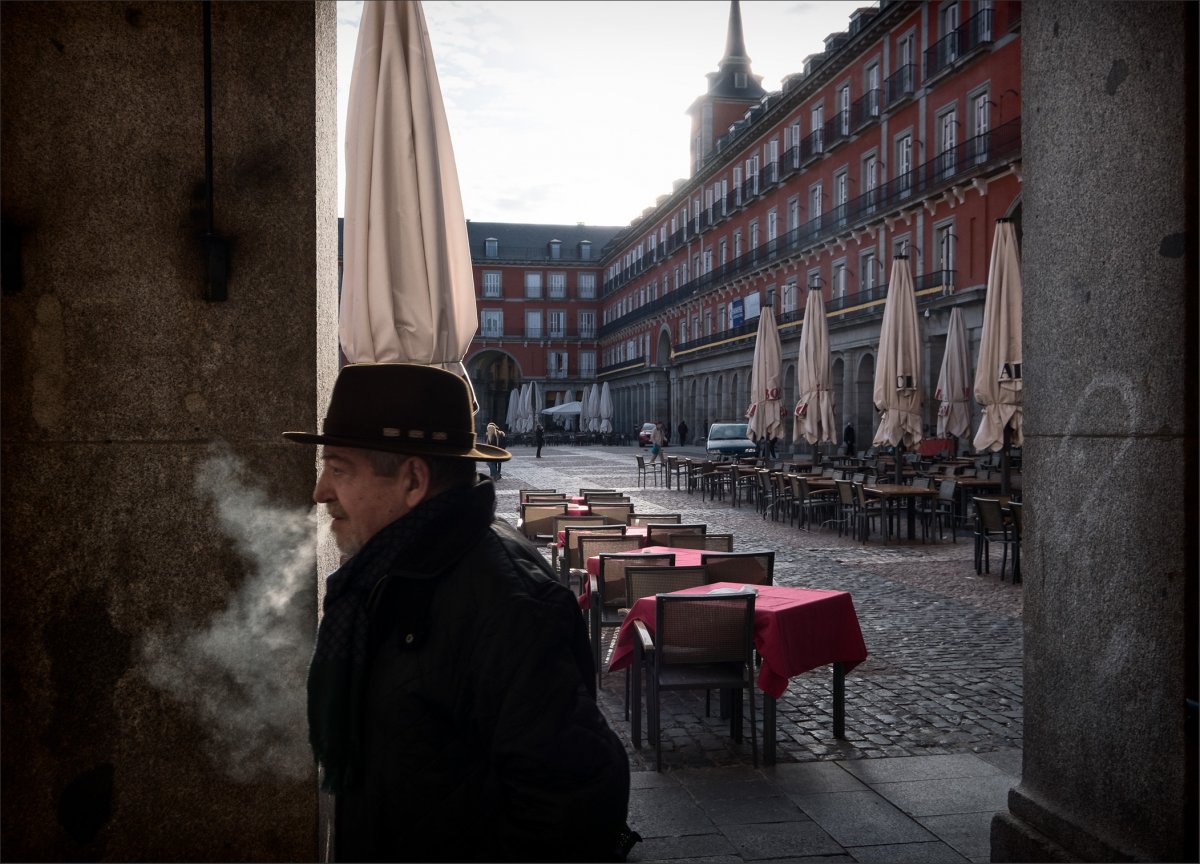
column 944, row 671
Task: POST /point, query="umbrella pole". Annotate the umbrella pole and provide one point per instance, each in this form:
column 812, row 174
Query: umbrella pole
column 899, row 457
column 1005, row 480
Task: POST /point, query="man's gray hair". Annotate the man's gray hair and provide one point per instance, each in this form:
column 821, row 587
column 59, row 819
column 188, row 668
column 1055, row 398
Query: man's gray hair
column 444, row 473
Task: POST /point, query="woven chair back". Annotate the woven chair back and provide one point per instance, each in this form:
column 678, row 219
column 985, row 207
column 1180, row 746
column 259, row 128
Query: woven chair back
column 748, row 568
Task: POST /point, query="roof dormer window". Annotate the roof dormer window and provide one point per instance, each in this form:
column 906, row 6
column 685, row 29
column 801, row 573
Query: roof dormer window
column 555, row 249
column 491, row 247
column 739, row 80
column 585, row 250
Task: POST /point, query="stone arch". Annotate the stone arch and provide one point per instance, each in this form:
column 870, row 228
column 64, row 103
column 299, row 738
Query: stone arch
column 864, row 388
column 787, row 401
column 663, row 350
column 493, row 373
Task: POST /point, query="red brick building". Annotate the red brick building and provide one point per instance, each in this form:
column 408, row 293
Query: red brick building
column 902, row 136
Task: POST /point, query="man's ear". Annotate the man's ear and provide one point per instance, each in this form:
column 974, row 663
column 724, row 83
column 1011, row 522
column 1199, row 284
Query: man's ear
column 417, row 481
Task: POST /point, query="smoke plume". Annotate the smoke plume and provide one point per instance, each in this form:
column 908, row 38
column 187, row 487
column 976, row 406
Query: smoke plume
column 243, row 671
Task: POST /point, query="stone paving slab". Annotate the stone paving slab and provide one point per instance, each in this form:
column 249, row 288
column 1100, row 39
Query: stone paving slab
column 933, row 717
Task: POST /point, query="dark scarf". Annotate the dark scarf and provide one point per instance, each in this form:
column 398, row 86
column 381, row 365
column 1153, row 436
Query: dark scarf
column 337, row 676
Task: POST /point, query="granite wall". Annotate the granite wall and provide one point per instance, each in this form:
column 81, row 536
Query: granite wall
column 1109, row 565
column 158, row 580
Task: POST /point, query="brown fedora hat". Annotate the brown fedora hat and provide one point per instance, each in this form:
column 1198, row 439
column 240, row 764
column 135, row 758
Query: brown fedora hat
column 401, row 408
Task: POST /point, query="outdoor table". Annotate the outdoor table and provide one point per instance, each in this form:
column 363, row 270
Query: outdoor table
column 683, row 558
column 889, row 492
column 795, row 630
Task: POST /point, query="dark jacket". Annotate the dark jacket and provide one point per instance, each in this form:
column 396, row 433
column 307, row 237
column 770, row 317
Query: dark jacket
column 483, row 740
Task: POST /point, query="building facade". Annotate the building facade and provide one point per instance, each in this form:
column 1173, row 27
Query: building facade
column 903, row 136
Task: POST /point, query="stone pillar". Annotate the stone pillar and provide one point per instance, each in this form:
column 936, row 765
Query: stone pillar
column 1109, row 267
column 118, row 379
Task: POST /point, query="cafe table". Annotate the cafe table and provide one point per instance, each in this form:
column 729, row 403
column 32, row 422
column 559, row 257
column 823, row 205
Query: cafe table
column 796, row 630
column 890, row 492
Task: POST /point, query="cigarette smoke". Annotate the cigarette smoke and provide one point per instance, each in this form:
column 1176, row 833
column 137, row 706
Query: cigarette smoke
column 243, row 672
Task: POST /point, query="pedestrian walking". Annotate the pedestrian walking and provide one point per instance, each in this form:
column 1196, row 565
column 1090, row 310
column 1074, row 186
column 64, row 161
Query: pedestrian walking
column 657, row 442
column 848, row 439
column 539, row 438
column 495, row 437
column 451, row 694
column 683, row 430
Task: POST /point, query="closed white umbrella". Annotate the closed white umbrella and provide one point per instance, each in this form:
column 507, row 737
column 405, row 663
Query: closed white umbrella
column 998, row 382
column 537, row 404
column 526, row 418
column 897, row 392
column 764, row 412
column 514, row 407
column 407, row 289
column 594, row 409
column 954, row 382
column 814, row 410
column 606, row 410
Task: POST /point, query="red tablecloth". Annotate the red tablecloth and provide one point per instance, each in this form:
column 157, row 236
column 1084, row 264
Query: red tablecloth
column 578, row 509
column 795, row 630
column 936, row 447
column 683, row 557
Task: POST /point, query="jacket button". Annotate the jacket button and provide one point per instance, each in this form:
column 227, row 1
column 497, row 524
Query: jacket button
column 408, row 640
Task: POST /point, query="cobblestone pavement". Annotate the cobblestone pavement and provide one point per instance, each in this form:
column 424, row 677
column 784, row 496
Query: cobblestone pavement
column 944, row 671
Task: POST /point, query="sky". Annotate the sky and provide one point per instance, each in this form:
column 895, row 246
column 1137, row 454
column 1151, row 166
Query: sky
column 567, row 112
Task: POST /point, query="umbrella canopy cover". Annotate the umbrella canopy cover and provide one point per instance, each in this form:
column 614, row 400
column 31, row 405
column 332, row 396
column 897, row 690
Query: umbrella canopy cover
column 765, row 412
column 606, row 409
column 538, row 403
column 565, row 408
column 526, row 424
column 814, row 410
column 407, row 291
column 897, row 392
column 954, row 382
column 998, row 382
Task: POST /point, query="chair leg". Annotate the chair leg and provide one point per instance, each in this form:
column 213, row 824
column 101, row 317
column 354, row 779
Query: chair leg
column 753, row 723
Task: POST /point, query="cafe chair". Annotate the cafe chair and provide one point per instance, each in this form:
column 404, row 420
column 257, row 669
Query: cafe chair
column 614, row 512
column 562, row 523
column 660, row 535
column 700, row 642
column 709, row 542
column 814, row 504
column 607, row 604
column 865, row 510
column 844, row 507
column 537, row 520
column 654, row 469
column 944, row 508
column 749, row 568
column 583, row 492
column 781, row 495
column 545, row 493
column 571, row 559
column 990, row 528
column 605, row 497
column 648, row 581
column 641, row 519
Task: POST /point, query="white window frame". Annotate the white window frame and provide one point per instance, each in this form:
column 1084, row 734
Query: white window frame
column 585, row 286
column 533, row 284
column 533, row 324
column 495, row 317
column 493, row 283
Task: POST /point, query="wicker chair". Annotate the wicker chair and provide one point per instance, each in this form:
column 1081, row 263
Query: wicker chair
column 701, row 642
column 570, row 558
column 537, row 520
column 641, row 519
column 607, row 604
column 660, row 535
column 749, row 568
column 614, row 512
column 709, row 542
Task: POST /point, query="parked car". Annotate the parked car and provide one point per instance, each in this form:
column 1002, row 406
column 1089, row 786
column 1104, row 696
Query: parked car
column 644, row 435
column 729, row 441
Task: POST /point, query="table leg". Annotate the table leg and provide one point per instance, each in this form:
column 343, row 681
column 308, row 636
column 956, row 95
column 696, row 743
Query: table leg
column 839, row 700
column 768, row 729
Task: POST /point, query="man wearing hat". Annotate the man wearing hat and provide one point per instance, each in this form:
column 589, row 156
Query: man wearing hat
column 451, row 695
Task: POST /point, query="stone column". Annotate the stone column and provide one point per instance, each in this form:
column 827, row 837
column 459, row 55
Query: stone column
column 1109, row 267
column 146, row 489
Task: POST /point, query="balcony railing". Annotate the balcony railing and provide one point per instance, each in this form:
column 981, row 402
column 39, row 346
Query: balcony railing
column 865, row 109
column 943, row 279
column 941, row 55
column 991, row 147
column 900, row 84
column 812, row 146
column 837, row 129
column 977, row 31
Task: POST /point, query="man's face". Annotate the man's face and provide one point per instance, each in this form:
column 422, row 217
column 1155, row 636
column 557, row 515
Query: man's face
column 360, row 501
